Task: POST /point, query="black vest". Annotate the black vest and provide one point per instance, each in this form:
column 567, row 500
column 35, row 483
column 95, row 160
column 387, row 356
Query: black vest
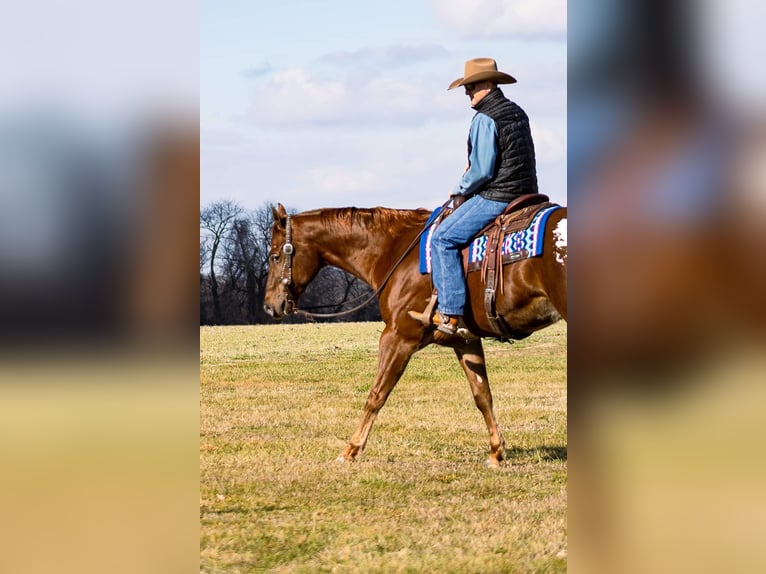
column 515, row 166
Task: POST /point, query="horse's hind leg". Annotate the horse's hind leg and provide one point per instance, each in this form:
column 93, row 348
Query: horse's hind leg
column 393, row 356
column 471, row 357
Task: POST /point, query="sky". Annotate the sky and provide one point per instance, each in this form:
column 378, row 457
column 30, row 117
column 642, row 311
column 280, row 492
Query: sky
column 344, row 103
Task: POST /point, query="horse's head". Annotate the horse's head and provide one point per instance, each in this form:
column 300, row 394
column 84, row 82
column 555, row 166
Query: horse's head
column 293, row 263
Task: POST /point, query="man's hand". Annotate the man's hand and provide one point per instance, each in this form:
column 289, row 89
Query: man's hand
column 457, row 199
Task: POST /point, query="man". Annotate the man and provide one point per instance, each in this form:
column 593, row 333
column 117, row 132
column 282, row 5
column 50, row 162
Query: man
column 501, row 167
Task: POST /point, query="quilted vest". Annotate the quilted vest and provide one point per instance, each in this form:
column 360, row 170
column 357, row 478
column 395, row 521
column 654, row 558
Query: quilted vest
column 515, row 167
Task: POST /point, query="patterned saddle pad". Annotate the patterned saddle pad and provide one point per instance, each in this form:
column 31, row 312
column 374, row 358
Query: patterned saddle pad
column 517, row 245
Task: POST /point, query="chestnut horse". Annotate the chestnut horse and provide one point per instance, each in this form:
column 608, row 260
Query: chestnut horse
column 368, row 243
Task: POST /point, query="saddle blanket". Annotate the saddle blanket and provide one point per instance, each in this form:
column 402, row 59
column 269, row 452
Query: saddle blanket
column 517, row 245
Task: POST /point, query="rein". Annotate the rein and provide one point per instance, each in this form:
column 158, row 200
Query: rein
column 287, row 274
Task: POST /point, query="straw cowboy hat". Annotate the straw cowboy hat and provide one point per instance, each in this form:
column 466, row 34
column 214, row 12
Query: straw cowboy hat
column 480, row 70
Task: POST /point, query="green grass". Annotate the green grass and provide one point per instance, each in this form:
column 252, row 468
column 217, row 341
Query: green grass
column 278, row 405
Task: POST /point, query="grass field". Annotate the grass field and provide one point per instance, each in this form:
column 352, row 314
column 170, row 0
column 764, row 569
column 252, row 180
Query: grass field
column 279, row 403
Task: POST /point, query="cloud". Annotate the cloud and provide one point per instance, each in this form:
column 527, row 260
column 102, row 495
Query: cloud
column 528, row 19
column 263, row 69
column 385, row 56
column 297, row 97
column 307, row 168
column 294, row 96
column 339, row 182
column 550, row 145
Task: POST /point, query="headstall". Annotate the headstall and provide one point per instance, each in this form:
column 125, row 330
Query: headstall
column 287, row 267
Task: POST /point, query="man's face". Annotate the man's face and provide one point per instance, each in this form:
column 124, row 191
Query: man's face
column 477, row 91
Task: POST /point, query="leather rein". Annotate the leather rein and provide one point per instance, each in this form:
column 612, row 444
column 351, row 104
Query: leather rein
column 286, row 278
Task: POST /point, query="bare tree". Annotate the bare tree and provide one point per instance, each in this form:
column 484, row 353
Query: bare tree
column 204, row 252
column 216, row 220
column 242, row 257
column 261, row 222
column 243, row 266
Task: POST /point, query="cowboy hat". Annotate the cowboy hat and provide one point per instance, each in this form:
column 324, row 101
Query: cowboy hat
column 480, row 70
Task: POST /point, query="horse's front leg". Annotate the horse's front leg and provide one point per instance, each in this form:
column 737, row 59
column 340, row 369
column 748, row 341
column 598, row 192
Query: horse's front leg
column 471, row 357
column 393, row 356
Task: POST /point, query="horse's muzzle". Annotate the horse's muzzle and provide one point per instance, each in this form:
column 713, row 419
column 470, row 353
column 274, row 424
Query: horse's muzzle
column 274, row 312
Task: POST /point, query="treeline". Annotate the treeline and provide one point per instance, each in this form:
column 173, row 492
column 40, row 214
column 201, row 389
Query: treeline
column 233, row 268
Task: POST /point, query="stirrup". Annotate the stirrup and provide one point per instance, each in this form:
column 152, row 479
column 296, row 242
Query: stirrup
column 447, row 324
column 425, row 317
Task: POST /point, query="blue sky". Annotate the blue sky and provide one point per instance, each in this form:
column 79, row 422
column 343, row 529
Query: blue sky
column 345, row 103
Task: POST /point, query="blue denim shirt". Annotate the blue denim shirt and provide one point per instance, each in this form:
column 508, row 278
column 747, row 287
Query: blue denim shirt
column 481, row 162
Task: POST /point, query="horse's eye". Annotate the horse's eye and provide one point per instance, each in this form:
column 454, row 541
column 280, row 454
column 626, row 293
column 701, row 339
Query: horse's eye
column 274, row 257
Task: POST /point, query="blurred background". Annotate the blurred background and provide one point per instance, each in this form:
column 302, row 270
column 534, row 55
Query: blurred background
column 667, row 189
column 99, row 187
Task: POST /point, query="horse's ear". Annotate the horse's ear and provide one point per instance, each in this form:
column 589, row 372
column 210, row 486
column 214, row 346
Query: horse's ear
column 280, row 214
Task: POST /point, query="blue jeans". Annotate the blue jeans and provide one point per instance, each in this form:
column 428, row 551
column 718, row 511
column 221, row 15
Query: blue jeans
column 453, row 234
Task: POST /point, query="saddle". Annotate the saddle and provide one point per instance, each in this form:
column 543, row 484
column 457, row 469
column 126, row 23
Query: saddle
column 517, row 216
column 492, row 249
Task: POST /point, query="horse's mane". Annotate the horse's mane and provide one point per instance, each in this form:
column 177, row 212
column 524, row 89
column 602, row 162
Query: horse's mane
column 373, row 218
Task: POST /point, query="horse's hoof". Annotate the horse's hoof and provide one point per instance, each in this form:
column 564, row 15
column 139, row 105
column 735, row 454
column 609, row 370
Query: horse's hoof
column 492, row 463
column 343, row 459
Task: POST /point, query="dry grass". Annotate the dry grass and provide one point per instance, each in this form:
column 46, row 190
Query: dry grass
column 278, row 404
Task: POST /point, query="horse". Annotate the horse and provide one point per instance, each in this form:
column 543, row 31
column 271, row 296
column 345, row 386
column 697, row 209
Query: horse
column 375, row 245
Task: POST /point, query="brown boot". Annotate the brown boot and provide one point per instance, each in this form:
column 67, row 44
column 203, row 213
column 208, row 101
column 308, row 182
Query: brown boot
column 446, row 323
column 450, row 325
column 443, row 323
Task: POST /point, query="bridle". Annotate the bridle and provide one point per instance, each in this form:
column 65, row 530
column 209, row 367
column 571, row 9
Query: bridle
column 286, row 278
